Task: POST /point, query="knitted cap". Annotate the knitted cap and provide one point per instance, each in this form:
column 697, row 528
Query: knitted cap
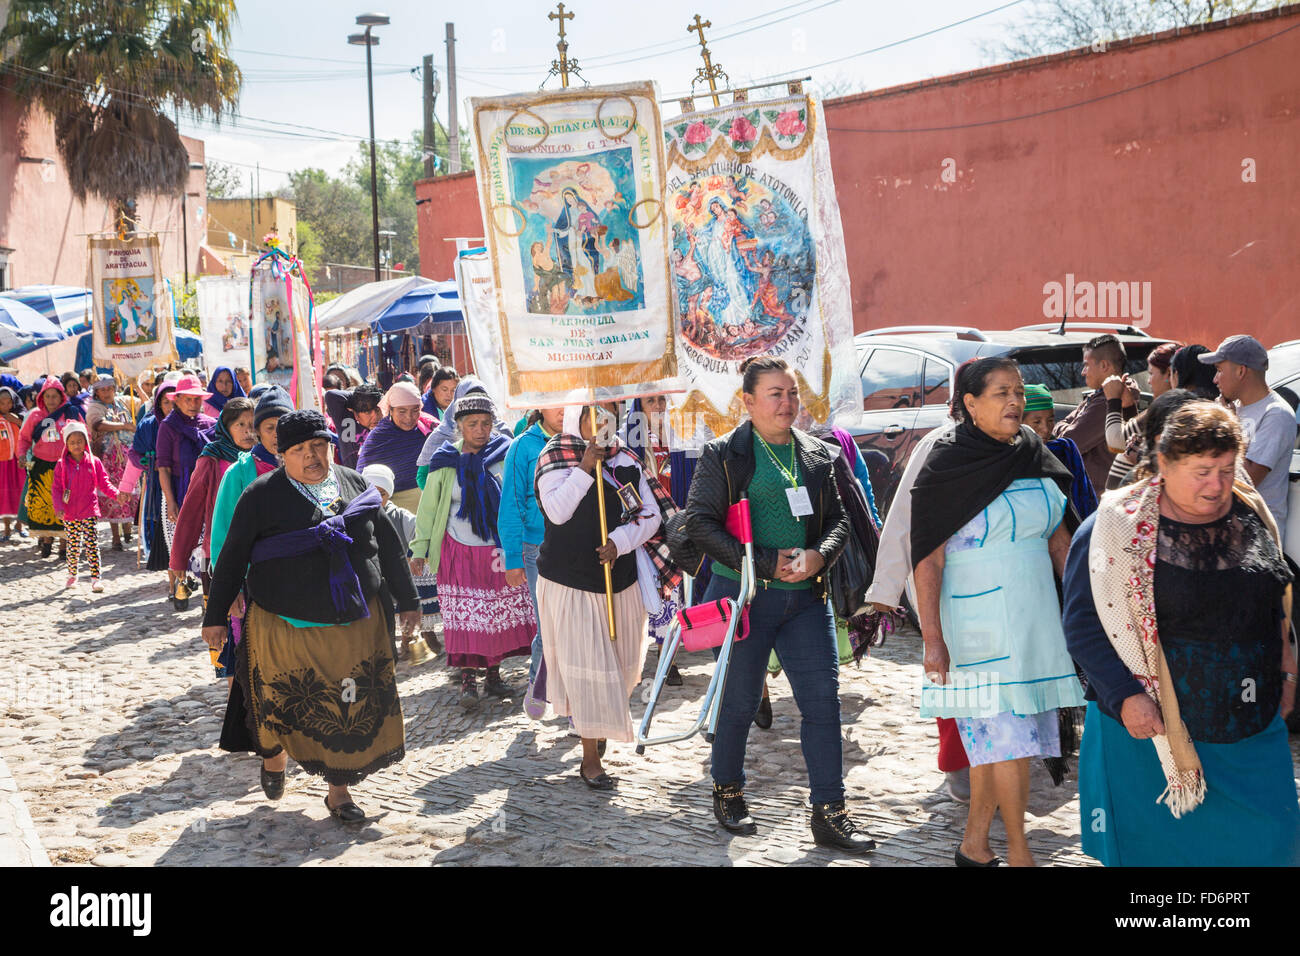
column 75, row 427
column 475, row 402
column 298, row 426
column 381, row 476
column 1038, row 398
column 273, row 402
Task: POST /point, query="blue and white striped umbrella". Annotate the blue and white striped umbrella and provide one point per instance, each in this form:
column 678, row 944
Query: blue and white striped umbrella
column 23, row 329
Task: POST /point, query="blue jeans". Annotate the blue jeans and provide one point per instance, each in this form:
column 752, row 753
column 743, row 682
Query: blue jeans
column 530, row 571
column 801, row 629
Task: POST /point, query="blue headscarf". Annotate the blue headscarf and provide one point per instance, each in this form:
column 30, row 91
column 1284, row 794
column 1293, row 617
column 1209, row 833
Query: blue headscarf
column 216, row 399
column 480, row 490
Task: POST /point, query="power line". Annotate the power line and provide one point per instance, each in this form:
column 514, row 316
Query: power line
column 1070, row 106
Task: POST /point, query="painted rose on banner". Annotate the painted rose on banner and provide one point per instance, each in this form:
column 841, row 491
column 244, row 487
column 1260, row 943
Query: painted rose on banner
column 757, row 256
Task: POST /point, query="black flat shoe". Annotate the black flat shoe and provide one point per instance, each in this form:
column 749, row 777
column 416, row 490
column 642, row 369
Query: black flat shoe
column 730, row 809
column 347, row 813
column 272, row 783
column 961, row 859
column 602, row 782
column 763, row 719
column 674, row 678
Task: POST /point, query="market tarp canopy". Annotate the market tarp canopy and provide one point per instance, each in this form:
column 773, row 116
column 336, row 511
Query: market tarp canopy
column 358, row 308
column 431, row 310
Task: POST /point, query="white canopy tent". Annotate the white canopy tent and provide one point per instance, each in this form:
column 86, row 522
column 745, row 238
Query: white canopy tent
column 355, row 310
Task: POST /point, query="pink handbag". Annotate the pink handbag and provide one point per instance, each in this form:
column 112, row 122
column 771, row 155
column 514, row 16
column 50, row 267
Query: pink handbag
column 704, row 626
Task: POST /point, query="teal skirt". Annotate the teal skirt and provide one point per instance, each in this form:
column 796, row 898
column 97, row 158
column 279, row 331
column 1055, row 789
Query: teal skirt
column 1250, row 815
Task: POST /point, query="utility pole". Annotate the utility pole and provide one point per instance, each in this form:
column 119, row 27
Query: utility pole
column 453, row 126
column 430, row 93
column 708, row 72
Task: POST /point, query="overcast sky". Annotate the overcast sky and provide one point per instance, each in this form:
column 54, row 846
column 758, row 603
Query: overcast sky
column 299, row 69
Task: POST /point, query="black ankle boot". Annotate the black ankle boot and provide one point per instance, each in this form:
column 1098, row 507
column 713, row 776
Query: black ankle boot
column 729, row 807
column 831, row 826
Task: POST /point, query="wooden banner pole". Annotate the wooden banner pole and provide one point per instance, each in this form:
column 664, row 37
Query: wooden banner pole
column 604, row 531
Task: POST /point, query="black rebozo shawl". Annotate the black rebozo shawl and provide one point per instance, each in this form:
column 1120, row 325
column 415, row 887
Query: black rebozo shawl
column 966, row 472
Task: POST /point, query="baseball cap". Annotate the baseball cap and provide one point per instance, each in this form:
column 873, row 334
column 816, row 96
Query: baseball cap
column 1242, row 349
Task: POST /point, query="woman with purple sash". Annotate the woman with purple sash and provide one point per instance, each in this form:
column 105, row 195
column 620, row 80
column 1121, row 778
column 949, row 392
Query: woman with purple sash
column 315, row 677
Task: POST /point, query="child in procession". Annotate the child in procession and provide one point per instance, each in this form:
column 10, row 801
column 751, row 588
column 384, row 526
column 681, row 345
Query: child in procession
column 78, row 479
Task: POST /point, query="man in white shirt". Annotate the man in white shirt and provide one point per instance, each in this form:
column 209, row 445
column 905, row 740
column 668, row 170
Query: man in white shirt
column 1267, row 422
column 894, row 574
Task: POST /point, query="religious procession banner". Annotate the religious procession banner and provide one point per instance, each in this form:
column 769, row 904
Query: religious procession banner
column 757, row 254
column 478, row 304
column 223, row 320
column 132, row 317
column 280, row 304
column 571, row 187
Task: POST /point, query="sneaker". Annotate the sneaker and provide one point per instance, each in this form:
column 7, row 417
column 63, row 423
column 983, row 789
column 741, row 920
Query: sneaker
column 72, row 580
column 24, row 533
column 832, row 827
column 730, row 809
column 96, row 586
column 468, row 691
column 494, row 686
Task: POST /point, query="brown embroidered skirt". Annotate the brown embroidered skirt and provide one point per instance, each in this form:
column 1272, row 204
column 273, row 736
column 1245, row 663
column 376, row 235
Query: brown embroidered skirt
column 327, row 695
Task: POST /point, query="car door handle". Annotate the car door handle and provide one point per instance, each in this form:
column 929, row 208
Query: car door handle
column 893, row 431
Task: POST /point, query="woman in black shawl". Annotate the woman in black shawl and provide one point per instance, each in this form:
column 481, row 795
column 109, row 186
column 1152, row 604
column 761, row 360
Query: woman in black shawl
column 988, row 533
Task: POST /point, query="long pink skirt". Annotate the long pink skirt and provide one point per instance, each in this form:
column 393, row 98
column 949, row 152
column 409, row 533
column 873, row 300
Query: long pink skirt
column 588, row 676
column 484, row 620
column 12, row 474
column 123, row 508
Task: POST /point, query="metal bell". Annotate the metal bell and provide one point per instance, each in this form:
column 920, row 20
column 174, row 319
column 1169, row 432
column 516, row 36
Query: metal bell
column 419, row 650
column 182, row 591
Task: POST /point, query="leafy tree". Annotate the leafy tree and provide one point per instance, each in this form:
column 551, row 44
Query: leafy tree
column 1051, row 26
column 108, row 71
column 224, row 180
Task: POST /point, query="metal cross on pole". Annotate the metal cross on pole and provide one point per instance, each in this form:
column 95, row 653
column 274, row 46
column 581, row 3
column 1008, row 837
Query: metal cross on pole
column 709, row 72
column 564, row 65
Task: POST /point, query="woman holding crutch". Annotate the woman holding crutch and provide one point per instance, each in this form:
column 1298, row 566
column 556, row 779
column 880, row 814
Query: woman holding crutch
column 799, row 530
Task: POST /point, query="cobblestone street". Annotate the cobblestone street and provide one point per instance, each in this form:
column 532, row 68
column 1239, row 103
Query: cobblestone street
column 111, row 717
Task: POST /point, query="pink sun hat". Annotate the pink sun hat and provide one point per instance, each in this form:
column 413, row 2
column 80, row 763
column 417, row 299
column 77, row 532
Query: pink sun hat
column 190, row 385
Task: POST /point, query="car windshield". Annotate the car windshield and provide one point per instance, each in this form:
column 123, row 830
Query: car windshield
column 1283, row 364
column 1061, row 369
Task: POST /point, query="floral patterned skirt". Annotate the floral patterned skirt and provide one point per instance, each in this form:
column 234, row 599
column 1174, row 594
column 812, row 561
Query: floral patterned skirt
column 1010, row 736
column 123, row 508
column 484, row 620
column 327, row 695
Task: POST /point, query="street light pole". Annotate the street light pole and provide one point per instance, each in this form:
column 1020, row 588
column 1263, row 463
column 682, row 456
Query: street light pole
column 368, row 40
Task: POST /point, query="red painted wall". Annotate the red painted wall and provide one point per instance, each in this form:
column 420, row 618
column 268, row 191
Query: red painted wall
column 1141, row 186
column 451, row 210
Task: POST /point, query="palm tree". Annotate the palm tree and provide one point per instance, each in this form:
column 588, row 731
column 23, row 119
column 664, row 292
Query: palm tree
column 107, row 70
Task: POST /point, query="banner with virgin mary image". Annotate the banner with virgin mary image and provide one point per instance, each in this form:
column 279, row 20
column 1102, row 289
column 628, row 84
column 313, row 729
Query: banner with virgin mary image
column 757, row 254
column 133, row 307
column 223, row 320
column 571, row 187
column 279, row 330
